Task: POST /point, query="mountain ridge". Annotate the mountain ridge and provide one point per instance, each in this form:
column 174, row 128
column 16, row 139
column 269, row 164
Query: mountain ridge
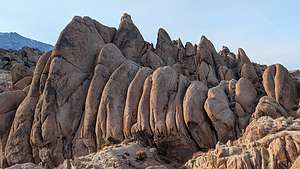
column 13, row 40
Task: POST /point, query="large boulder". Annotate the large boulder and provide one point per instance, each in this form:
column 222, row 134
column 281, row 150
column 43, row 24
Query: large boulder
column 278, row 84
column 134, row 94
column 9, row 102
column 195, row 117
column 109, row 59
column 109, row 125
column 22, row 83
column 268, row 106
column 246, row 95
column 18, row 148
column 141, row 129
column 219, row 112
column 164, row 85
column 19, row 71
column 61, row 103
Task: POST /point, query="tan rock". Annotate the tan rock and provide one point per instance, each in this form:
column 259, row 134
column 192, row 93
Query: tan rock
column 190, row 50
column 208, row 62
column 18, row 148
column 61, row 104
column 242, row 56
column 195, row 116
column 285, row 90
column 226, row 73
column 141, row 129
column 19, row 71
column 246, row 95
column 9, row 102
column 279, row 85
column 164, row 84
column 134, row 94
column 129, row 39
column 207, row 52
column 165, row 48
column 217, row 108
column 268, row 81
column 107, row 33
column 109, row 124
column 296, row 163
column 109, row 59
column 22, row 83
column 272, row 149
column 26, row 166
column 268, row 106
column 207, row 74
column 248, row 72
column 243, row 117
column 152, row 60
column 177, row 144
column 122, row 156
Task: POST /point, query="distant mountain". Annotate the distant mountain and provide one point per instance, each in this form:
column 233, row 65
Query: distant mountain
column 15, row 41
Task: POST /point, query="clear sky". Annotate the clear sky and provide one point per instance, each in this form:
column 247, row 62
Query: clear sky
column 268, row 30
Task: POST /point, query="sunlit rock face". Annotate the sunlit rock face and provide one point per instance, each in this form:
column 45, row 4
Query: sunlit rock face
column 101, row 86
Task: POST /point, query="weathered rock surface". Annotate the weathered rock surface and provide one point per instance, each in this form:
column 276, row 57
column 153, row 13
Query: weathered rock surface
column 165, row 48
column 26, row 166
column 134, row 94
column 121, row 156
column 268, row 106
column 267, row 143
column 102, row 86
column 219, row 112
column 279, row 85
column 246, row 94
column 108, row 60
column 129, row 39
column 18, row 148
column 195, row 116
column 26, row 56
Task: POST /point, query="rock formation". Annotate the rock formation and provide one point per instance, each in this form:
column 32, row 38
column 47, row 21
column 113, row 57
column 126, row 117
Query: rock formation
column 266, row 143
column 104, row 87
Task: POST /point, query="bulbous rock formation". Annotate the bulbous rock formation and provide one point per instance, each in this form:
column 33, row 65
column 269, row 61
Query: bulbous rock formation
column 279, row 85
column 102, row 86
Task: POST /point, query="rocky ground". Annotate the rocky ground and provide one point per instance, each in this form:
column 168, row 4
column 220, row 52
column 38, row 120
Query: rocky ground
column 5, row 80
column 106, row 98
column 16, row 67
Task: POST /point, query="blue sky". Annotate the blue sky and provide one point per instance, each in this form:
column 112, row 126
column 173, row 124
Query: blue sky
column 268, row 30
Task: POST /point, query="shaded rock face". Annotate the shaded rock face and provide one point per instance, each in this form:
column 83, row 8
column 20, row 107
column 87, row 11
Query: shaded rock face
column 165, row 48
column 129, row 39
column 102, row 86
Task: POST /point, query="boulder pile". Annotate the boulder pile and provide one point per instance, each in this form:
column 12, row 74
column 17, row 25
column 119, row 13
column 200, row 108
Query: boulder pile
column 101, row 86
column 17, row 67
